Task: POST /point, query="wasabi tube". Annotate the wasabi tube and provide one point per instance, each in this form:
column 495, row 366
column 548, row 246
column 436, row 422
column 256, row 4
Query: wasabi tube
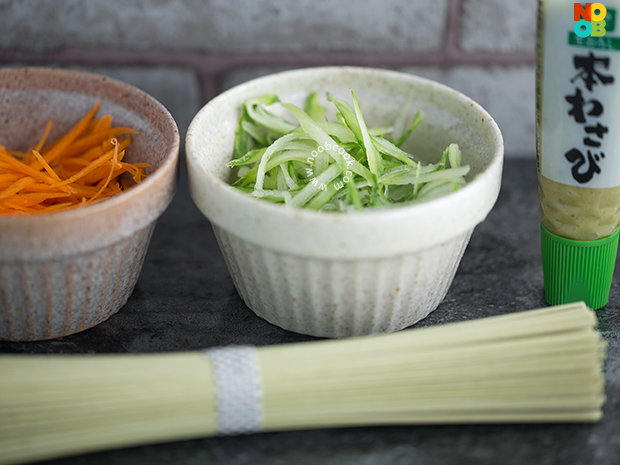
column 578, row 136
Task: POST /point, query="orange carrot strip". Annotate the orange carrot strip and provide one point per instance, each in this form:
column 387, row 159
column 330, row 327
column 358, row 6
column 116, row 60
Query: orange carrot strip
column 58, row 206
column 109, row 191
column 99, row 124
column 41, row 187
column 93, row 153
column 5, row 166
column 96, row 152
column 114, row 159
column 100, row 173
column 95, row 164
column 83, row 166
column 103, row 123
column 22, row 168
column 16, row 154
column 16, row 210
column 28, row 200
column 73, row 163
column 137, row 170
column 65, row 140
column 9, row 177
column 47, row 167
column 16, row 187
column 83, row 191
column 86, row 143
column 46, row 133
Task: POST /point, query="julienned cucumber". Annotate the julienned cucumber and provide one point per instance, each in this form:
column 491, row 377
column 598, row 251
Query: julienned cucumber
column 334, row 166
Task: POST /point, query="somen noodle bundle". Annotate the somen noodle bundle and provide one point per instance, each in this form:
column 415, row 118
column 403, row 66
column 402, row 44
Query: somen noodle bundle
column 536, row 366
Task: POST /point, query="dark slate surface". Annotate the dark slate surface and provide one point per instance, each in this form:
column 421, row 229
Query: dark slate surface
column 185, row 300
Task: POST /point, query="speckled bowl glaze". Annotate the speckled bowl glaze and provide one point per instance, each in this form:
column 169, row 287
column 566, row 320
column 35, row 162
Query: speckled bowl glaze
column 67, row 271
column 345, row 274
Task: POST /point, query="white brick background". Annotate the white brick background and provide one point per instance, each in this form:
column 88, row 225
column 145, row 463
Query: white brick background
column 185, row 51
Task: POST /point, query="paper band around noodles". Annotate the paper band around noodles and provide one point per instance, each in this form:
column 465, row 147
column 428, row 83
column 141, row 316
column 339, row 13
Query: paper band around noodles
column 238, row 389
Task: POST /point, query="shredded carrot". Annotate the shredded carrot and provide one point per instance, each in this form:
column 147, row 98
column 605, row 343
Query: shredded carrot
column 46, row 166
column 46, row 133
column 85, row 165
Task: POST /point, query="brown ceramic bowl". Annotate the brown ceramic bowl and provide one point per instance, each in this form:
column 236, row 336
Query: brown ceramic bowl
column 63, row 272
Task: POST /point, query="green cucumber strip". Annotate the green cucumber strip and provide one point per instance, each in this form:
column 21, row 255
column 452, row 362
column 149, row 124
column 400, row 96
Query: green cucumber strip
column 442, row 161
column 347, row 116
column 267, row 99
column 438, row 189
column 401, row 121
column 387, row 148
column 250, row 157
column 290, row 155
column 245, row 189
column 389, row 163
column 323, row 197
column 247, row 178
column 273, row 195
column 414, row 124
column 271, row 181
column 361, row 170
column 400, row 193
column 241, row 138
column 380, row 130
column 416, row 183
column 411, row 178
column 316, row 184
column 281, row 182
column 256, row 110
column 255, row 132
column 291, row 172
column 300, row 168
column 278, row 145
column 342, row 121
column 351, row 147
column 375, row 162
column 376, row 200
column 343, row 133
column 354, row 196
column 322, row 160
column 283, row 156
column 454, row 155
column 315, row 131
column 329, row 145
column 314, row 109
column 405, row 170
column 288, row 180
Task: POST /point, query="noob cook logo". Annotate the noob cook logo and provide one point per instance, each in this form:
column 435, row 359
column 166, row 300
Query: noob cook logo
column 590, row 21
column 594, row 27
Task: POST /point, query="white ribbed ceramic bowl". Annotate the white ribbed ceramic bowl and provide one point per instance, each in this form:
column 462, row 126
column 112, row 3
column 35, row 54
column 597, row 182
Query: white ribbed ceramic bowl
column 63, row 272
column 336, row 274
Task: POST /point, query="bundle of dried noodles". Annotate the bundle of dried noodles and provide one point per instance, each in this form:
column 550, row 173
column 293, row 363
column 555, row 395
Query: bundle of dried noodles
column 535, row 366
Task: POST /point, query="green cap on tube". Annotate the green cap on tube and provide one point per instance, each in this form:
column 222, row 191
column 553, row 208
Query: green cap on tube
column 578, row 270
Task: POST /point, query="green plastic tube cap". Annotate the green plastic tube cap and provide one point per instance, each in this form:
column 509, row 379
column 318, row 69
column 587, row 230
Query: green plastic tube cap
column 578, row 270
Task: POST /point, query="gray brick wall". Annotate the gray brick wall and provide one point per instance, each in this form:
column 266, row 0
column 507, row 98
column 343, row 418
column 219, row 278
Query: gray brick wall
column 183, row 52
column 498, row 25
column 224, row 26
